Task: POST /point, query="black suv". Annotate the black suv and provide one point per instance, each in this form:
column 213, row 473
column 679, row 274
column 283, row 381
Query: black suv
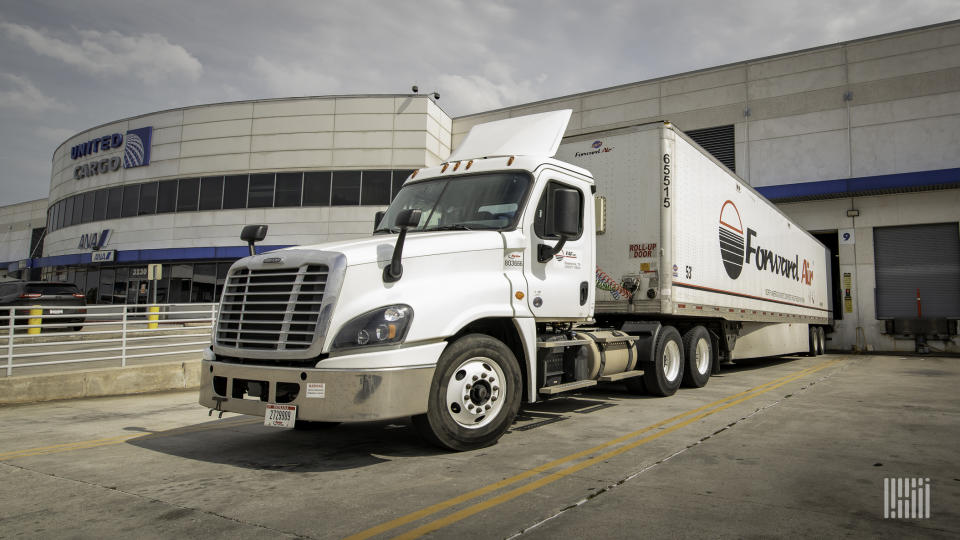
column 61, row 297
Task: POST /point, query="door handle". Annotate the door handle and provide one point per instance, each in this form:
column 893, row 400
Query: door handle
column 584, row 292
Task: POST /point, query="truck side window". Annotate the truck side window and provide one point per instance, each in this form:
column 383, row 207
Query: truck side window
column 544, row 213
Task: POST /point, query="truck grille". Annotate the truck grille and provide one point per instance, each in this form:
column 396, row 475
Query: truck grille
column 273, row 309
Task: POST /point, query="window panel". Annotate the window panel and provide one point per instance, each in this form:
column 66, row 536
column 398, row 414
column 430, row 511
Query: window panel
column 375, row 188
column 131, row 200
column 100, row 205
column 261, row 191
column 114, row 202
column 68, row 212
column 346, row 188
column 398, row 178
column 289, row 186
column 87, row 213
column 211, row 193
column 188, row 193
column 148, row 198
column 167, row 196
column 235, row 192
column 60, row 213
column 316, row 188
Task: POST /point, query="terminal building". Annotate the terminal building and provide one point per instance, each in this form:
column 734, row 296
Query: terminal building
column 858, row 142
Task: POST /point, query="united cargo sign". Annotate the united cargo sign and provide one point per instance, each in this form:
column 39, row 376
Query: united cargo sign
column 136, row 152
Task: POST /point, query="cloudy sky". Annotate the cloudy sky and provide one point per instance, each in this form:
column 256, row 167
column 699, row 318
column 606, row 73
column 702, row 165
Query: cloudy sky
column 66, row 66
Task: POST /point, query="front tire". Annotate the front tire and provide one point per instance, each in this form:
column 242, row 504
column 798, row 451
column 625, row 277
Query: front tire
column 664, row 376
column 698, row 353
column 474, row 396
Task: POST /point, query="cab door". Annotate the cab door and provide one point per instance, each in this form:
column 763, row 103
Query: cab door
column 560, row 288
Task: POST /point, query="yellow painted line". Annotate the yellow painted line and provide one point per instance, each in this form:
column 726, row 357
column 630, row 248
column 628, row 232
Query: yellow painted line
column 516, row 492
column 107, row 441
column 433, row 509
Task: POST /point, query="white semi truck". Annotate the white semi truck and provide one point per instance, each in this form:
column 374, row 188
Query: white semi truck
column 505, row 275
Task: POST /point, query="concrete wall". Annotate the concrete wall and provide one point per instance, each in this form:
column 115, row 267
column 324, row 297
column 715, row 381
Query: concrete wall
column 17, row 222
column 791, row 119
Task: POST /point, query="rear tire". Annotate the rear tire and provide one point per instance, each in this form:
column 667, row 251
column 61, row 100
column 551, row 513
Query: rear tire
column 813, row 339
column 474, row 396
column 663, row 377
column 698, row 352
column 821, row 341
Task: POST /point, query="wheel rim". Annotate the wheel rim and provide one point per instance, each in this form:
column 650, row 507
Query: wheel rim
column 475, row 392
column 671, row 360
column 703, row 356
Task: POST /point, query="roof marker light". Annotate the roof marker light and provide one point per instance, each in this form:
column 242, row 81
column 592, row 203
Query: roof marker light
column 510, row 161
column 444, row 168
column 456, row 166
column 414, row 175
column 469, row 163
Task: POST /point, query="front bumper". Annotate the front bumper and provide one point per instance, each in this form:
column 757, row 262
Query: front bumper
column 348, row 395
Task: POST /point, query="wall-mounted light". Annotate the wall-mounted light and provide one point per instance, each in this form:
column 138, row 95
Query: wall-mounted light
column 746, row 112
column 848, row 96
column 853, row 212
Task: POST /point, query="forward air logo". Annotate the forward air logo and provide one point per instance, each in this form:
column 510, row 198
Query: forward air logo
column 731, row 239
column 737, row 249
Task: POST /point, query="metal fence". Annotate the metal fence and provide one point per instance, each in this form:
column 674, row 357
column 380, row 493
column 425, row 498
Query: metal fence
column 42, row 337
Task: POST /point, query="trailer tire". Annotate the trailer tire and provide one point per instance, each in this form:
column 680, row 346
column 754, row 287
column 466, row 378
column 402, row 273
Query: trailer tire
column 814, row 339
column 698, row 352
column 663, row 376
column 821, row 341
column 474, row 371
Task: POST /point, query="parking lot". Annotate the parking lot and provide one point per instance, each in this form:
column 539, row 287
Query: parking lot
column 792, row 446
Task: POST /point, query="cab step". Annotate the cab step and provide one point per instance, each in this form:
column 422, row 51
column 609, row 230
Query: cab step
column 566, row 387
column 562, row 343
column 621, row 376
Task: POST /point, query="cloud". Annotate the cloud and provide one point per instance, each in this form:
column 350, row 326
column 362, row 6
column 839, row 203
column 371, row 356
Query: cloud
column 148, row 57
column 293, row 79
column 19, row 93
column 494, row 88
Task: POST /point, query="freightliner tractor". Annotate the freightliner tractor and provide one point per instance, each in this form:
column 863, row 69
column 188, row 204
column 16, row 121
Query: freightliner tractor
column 506, row 275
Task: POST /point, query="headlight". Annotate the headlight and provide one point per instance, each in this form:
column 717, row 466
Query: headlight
column 381, row 326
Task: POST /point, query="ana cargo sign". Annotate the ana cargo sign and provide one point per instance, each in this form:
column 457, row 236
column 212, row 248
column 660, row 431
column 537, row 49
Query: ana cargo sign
column 136, row 152
column 737, row 249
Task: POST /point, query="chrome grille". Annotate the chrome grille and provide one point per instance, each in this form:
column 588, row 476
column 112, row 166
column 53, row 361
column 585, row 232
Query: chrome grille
column 272, row 309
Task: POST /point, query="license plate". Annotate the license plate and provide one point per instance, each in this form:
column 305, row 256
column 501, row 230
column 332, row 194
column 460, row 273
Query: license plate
column 56, row 312
column 280, row 415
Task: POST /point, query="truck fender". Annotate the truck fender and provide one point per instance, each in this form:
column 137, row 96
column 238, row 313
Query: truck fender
column 647, row 331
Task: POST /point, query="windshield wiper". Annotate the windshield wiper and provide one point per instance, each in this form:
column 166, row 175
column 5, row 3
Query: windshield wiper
column 451, row 227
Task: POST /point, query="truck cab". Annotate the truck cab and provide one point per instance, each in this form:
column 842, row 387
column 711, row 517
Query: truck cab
column 436, row 315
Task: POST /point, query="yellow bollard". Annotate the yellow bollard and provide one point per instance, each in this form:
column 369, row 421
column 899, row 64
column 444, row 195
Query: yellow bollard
column 36, row 318
column 153, row 317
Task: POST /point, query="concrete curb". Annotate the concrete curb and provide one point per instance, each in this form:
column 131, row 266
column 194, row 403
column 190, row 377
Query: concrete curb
column 100, row 382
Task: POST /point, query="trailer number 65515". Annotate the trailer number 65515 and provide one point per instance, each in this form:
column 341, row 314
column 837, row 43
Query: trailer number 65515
column 666, row 180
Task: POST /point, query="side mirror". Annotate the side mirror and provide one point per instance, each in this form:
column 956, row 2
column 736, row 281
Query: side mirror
column 566, row 212
column 377, row 218
column 408, row 218
column 405, row 219
column 252, row 234
column 564, row 221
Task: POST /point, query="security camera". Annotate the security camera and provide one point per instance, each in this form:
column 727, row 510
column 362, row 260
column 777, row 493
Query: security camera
column 415, row 89
column 436, row 95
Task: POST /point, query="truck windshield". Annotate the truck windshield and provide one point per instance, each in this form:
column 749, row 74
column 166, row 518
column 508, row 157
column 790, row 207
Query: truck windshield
column 477, row 202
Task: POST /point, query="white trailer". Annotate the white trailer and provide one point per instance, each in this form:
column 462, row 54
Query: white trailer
column 505, row 275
